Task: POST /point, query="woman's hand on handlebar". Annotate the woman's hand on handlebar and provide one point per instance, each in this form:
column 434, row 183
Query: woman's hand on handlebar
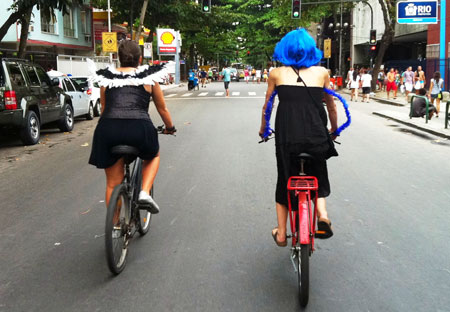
column 167, row 130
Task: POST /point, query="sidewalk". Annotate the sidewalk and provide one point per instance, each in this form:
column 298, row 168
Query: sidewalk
column 398, row 110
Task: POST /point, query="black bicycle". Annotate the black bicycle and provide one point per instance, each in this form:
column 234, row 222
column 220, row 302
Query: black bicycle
column 124, row 216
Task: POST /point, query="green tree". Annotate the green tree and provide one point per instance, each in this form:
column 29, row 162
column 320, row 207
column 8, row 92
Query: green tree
column 388, row 9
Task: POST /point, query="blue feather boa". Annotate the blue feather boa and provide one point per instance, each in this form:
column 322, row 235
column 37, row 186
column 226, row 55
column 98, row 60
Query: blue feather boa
column 268, row 113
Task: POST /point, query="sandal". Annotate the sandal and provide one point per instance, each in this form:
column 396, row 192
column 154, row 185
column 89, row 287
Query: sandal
column 274, row 235
column 324, row 230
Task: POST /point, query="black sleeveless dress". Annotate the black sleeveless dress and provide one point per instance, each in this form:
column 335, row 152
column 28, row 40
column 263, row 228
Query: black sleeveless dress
column 301, row 127
column 126, row 121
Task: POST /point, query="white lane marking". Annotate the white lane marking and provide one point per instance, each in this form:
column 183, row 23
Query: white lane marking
column 219, row 93
column 252, row 93
column 236, row 93
column 203, row 94
column 170, row 95
column 187, row 94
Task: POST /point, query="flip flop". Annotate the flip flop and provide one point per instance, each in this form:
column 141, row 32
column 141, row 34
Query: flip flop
column 274, row 235
column 324, row 230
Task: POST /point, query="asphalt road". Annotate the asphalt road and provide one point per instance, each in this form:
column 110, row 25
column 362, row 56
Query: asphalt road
column 210, row 248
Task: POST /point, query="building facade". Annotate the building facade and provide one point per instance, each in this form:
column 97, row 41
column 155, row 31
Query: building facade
column 71, row 34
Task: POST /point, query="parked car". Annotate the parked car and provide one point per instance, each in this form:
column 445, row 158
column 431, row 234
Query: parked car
column 81, row 101
column 29, row 99
column 234, row 74
column 92, row 89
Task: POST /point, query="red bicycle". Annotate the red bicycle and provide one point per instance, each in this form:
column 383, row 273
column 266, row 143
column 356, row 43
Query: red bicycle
column 303, row 224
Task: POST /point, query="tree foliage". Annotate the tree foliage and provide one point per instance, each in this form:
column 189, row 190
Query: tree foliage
column 233, row 25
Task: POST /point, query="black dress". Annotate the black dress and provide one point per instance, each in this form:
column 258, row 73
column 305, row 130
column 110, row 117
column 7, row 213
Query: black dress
column 301, row 127
column 126, row 121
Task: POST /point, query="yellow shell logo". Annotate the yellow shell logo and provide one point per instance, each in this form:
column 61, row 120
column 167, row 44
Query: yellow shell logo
column 167, row 37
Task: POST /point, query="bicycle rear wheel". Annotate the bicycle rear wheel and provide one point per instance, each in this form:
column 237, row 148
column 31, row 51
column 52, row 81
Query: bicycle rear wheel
column 116, row 229
column 145, row 218
column 303, row 274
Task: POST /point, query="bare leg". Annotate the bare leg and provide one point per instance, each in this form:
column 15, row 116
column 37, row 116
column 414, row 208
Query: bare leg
column 282, row 213
column 322, row 208
column 149, row 171
column 114, row 176
column 438, row 106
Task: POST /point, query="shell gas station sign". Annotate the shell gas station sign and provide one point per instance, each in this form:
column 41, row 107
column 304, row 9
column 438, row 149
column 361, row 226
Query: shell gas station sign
column 167, row 41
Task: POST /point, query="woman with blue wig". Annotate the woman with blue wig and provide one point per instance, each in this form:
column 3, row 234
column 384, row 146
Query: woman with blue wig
column 301, row 123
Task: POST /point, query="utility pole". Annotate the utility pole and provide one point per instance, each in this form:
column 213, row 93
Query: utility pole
column 109, row 27
column 340, row 43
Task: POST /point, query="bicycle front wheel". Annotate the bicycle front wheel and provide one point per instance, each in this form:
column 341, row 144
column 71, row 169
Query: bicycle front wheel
column 303, row 274
column 116, row 229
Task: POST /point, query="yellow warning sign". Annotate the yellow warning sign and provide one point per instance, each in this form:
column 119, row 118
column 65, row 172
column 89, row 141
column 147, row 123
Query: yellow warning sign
column 327, row 48
column 109, row 41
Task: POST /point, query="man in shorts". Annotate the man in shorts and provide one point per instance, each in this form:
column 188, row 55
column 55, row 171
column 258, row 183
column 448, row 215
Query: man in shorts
column 226, row 79
column 407, row 81
column 419, row 76
column 203, row 75
column 391, row 83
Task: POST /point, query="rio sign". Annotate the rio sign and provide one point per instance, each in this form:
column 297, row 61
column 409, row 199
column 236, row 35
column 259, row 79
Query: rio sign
column 417, row 12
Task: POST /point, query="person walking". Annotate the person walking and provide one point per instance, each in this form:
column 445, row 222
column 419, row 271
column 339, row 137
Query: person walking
column 408, row 80
column 246, row 75
column 436, row 84
column 366, row 81
column 419, row 78
column 391, row 83
column 301, row 124
column 354, row 85
column 380, row 80
column 258, row 75
column 226, row 80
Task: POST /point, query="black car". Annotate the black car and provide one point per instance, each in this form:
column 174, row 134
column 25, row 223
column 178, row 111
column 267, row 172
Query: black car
column 29, row 99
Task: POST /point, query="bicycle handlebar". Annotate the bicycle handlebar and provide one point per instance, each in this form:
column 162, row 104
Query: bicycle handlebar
column 162, row 130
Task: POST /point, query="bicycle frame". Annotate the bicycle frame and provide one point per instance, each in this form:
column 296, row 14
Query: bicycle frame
column 302, row 221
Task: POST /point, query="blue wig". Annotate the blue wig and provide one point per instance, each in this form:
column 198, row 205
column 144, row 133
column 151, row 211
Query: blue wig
column 297, row 48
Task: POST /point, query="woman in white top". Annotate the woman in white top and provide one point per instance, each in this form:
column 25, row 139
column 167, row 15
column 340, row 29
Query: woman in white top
column 435, row 90
column 354, row 85
column 366, row 81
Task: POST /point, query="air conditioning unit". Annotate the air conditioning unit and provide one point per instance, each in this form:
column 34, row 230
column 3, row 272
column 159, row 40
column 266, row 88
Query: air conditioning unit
column 30, row 28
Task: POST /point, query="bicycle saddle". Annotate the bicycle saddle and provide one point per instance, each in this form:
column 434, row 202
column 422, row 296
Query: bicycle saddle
column 130, row 152
column 305, row 156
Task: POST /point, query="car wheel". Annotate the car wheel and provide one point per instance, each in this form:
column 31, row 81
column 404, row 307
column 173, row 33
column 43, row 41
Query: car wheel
column 90, row 114
column 31, row 133
column 66, row 122
column 97, row 108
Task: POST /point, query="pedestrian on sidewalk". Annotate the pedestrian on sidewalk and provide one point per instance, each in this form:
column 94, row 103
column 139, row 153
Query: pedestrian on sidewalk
column 246, row 75
column 380, row 80
column 419, row 78
column 226, row 79
column 258, row 75
column 349, row 77
column 366, row 81
column 355, row 84
column 408, row 80
column 420, row 105
column 436, row 84
column 391, row 83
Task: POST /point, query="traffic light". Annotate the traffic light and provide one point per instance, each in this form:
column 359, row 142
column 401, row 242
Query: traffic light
column 373, row 37
column 296, row 9
column 206, row 6
column 373, row 48
column 248, row 53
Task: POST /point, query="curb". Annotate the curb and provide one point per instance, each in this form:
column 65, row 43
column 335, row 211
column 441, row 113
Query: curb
column 375, row 98
column 434, row 132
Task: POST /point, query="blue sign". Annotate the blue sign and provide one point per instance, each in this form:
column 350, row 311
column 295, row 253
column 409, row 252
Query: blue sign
column 417, row 12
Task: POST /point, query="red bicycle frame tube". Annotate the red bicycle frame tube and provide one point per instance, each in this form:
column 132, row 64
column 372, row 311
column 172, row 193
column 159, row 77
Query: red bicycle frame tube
column 302, row 187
